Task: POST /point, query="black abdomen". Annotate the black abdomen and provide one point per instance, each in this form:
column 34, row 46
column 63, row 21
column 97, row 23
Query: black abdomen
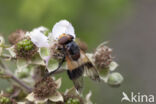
column 76, row 73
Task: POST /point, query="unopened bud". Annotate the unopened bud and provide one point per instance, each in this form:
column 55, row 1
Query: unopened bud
column 103, row 57
column 73, row 101
column 115, row 79
column 16, row 36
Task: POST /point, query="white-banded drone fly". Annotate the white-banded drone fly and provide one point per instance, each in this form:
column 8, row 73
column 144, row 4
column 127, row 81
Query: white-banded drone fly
column 77, row 61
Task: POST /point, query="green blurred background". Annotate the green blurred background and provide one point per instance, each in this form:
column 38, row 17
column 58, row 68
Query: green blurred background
column 128, row 25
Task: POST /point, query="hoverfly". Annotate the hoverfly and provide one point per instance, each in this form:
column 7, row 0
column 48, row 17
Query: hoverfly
column 77, row 61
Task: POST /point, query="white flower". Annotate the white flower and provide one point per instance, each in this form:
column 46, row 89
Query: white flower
column 41, row 29
column 62, row 27
column 38, row 37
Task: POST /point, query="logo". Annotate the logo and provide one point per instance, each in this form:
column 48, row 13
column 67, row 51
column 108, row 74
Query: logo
column 137, row 98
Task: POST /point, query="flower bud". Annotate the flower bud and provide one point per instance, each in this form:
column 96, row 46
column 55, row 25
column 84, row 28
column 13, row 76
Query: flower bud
column 16, row 36
column 73, row 101
column 115, row 79
column 102, row 57
column 25, row 48
column 71, row 98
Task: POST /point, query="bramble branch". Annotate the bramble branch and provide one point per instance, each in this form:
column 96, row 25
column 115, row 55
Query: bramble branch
column 7, row 72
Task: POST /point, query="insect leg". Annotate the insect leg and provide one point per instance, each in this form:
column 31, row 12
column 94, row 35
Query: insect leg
column 60, row 64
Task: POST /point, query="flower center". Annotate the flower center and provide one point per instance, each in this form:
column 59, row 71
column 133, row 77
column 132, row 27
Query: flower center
column 44, row 88
column 25, row 44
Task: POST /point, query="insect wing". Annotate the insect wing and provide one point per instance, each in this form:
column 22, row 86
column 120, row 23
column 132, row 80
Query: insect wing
column 89, row 69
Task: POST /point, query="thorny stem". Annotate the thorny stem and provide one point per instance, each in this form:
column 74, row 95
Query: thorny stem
column 8, row 72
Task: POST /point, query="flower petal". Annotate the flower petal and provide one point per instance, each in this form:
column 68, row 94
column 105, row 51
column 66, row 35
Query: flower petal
column 61, row 27
column 41, row 29
column 56, row 97
column 38, row 37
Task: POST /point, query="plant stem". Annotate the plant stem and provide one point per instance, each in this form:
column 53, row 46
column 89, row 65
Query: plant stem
column 28, row 89
column 9, row 73
column 7, row 56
